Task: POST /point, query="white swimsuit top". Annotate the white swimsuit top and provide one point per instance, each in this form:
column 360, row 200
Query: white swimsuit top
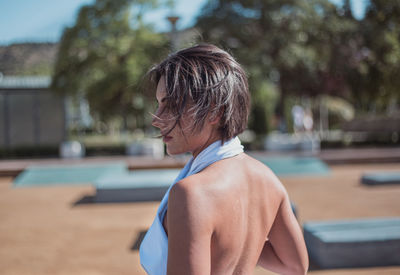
column 154, row 247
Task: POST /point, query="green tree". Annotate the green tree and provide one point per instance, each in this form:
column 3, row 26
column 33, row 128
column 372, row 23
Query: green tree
column 378, row 81
column 105, row 55
column 311, row 47
column 288, row 44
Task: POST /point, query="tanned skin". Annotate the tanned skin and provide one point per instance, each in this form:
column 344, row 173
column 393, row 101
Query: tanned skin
column 229, row 217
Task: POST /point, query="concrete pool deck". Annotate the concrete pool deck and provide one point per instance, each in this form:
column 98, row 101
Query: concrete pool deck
column 59, row 230
column 330, row 156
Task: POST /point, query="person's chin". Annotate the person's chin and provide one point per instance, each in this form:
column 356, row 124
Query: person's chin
column 174, row 151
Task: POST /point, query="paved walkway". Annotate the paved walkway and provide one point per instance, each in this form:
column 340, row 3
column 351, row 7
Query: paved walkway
column 55, row 230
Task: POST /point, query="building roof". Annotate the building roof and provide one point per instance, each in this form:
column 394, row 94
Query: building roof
column 24, row 82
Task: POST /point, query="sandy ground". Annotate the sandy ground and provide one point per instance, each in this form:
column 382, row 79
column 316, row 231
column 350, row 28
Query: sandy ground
column 57, row 230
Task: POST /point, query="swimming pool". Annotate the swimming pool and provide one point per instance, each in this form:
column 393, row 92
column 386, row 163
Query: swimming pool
column 118, row 176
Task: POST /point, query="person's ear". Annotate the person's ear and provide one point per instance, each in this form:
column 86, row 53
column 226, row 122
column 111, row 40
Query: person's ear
column 215, row 118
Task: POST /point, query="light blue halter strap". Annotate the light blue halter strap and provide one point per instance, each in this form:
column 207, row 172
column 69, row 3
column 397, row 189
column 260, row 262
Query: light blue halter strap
column 154, row 247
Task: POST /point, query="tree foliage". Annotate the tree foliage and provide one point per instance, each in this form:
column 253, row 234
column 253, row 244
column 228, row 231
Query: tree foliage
column 288, row 47
column 378, row 77
column 310, row 47
column 105, row 55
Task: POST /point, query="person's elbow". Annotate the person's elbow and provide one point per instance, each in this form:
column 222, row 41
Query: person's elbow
column 300, row 268
column 304, row 263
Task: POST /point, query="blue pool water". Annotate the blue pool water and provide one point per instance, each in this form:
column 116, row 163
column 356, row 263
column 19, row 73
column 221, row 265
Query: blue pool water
column 72, row 174
column 288, row 166
column 117, row 175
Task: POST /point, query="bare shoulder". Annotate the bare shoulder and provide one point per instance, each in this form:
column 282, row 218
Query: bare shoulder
column 257, row 165
column 188, row 190
column 187, row 201
column 263, row 173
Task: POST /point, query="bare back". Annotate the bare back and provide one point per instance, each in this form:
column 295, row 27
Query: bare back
column 246, row 198
column 242, row 197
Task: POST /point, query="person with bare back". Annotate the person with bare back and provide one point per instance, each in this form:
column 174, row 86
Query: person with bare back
column 226, row 212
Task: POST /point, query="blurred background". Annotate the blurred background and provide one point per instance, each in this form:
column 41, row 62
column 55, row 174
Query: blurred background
column 82, row 174
column 322, row 71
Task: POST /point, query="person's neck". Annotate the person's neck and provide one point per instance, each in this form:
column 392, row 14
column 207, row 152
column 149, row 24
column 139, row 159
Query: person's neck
column 210, row 140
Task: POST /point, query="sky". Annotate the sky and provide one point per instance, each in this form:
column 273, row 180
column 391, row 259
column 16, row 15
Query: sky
column 44, row 20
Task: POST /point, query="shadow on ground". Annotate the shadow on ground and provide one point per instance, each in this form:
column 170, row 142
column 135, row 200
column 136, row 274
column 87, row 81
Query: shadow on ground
column 91, row 199
column 138, row 240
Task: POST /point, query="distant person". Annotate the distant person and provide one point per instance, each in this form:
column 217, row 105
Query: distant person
column 308, row 122
column 298, row 118
column 226, row 212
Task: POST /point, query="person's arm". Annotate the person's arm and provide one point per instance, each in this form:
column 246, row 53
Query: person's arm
column 189, row 231
column 285, row 251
